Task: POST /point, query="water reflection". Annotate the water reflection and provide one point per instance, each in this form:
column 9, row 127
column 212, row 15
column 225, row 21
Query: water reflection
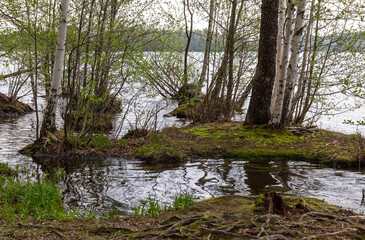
column 264, row 175
column 102, row 185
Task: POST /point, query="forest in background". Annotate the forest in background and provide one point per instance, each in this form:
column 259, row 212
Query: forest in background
column 103, row 63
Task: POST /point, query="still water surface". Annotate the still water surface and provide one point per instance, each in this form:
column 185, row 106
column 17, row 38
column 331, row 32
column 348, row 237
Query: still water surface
column 102, row 185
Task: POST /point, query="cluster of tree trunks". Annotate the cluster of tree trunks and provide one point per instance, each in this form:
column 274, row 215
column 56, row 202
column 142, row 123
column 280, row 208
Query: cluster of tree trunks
column 274, row 101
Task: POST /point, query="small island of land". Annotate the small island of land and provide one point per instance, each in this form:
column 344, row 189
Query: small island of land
column 9, row 106
column 213, row 140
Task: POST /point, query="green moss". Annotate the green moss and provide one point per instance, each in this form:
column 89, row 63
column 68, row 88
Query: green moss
column 187, row 110
column 33, row 148
column 228, row 139
column 234, row 140
column 160, row 148
column 311, row 204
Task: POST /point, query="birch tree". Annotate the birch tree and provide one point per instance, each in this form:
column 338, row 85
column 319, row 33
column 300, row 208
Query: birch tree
column 279, row 98
column 279, row 51
column 293, row 63
column 49, row 116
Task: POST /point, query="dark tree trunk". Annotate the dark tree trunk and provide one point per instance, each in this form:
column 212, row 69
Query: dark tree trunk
column 263, row 82
column 230, row 49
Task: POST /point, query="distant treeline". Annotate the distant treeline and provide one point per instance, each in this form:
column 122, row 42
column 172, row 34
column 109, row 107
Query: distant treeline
column 179, row 40
column 176, row 41
column 156, row 41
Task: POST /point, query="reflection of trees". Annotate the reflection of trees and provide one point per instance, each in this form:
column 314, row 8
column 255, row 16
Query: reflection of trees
column 88, row 184
column 221, row 177
column 261, row 174
column 232, row 176
column 283, row 174
column 85, row 185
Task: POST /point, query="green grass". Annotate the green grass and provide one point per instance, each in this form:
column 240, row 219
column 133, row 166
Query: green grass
column 150, row 207
column 41, row 200
column 183, row 200
column 5, row 170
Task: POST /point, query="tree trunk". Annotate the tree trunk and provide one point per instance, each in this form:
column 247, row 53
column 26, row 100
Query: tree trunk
column 230, row 49
column 207, row 45
column 49, row 117
column 293, row 63
column 307, row 102
column 263, row 82
column 279, row 51
column 302, row 82
column 189, row 33
column 278, row 106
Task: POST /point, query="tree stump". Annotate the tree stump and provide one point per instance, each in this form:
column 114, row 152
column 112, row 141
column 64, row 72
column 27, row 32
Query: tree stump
column 274, row 204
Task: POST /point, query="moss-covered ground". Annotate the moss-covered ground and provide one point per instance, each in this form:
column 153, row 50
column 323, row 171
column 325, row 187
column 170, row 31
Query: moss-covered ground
column 234, row 140
column 214, row 140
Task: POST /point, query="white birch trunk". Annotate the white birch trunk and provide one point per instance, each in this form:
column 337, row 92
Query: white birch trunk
column 49, row 115
column 279, row 51
column 293, row 63
column 278, row 106
column 301, row 81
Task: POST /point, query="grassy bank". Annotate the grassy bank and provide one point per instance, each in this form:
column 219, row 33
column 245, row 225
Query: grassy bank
column 217, row 140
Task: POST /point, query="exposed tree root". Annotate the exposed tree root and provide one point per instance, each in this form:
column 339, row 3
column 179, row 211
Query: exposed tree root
column 211, row 223
column 332, row 234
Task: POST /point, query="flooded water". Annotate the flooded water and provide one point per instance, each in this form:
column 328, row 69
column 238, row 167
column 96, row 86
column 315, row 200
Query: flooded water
column 103, row 185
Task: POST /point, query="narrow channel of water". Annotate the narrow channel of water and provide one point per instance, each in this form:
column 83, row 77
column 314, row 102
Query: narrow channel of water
column 103, row 185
